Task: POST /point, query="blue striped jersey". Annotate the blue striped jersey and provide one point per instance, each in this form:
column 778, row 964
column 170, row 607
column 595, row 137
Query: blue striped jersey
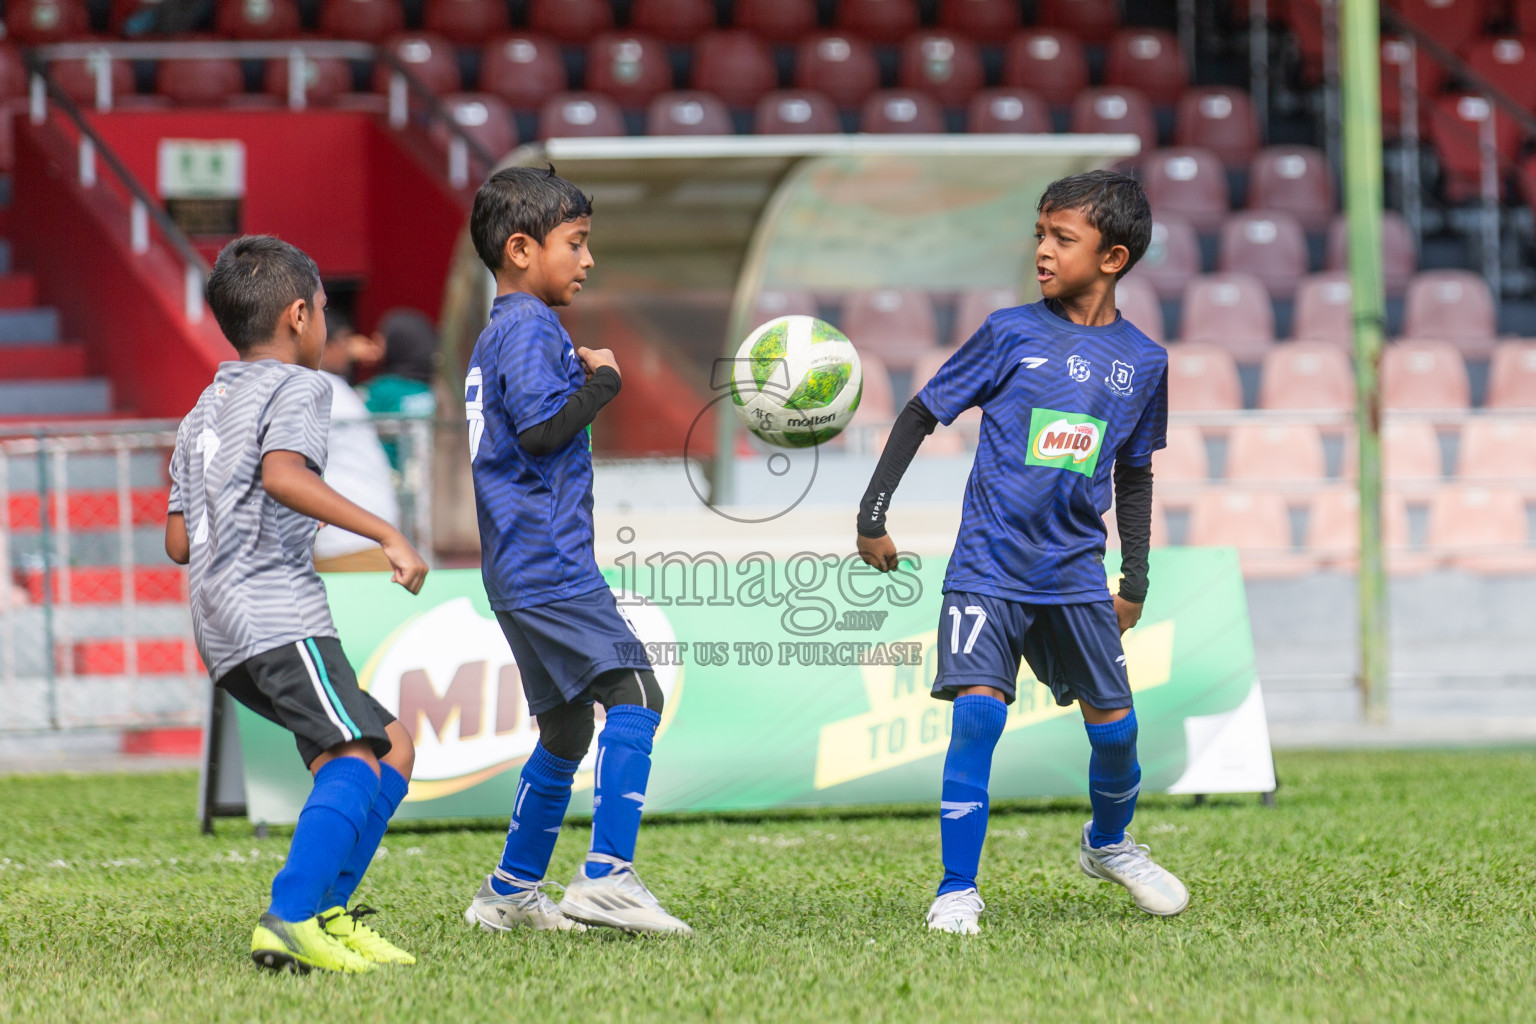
column 535, row 512
column 1060, row 404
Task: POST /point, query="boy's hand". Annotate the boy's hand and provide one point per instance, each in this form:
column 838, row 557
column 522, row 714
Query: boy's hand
column 879, row 552
column 1127, row 612
column 410, row 569
column 592, row 358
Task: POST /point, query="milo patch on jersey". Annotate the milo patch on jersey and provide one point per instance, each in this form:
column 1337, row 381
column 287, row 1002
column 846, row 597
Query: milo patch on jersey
column 1064, row 440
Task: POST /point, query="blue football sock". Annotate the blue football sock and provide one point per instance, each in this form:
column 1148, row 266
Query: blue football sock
column 543, row 791
column 333, row 818
column 963, row 805
column 623, row 769
column 1114, row 779
column 392, row 788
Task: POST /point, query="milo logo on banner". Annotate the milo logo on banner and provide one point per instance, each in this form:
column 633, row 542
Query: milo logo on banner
column 1064, row 440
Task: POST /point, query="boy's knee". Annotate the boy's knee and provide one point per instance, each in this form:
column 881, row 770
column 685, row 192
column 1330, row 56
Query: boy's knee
column 402, row 749
column 566, row 731
column 628, row 686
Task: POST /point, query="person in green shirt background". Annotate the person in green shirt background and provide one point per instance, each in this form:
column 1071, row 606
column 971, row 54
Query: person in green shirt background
column 403, row 386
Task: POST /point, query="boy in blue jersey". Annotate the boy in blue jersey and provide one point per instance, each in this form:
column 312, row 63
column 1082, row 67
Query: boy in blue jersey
column 531, row 398
column 1072, row 395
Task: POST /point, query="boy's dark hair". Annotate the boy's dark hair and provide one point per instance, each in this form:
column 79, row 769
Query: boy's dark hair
column 1114, row 204
column 522, row 200
column 254, row 279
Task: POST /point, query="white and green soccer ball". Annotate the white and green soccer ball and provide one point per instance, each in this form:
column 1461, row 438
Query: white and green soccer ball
column 796, row 381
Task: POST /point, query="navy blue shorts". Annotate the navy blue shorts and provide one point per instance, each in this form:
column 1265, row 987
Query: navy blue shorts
column 1072, row 648
column 562, row 646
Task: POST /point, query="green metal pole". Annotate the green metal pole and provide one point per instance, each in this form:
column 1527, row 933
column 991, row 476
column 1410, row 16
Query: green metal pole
column 1359, row 45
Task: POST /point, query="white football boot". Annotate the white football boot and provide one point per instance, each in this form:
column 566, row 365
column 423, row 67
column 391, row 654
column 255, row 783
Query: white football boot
column 617, row 900
column 956, row 912
column 525, row 907
column 1154, row 888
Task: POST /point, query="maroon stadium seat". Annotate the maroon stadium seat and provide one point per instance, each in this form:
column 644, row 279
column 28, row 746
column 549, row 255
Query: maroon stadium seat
column 1451, row 23
column 901, row 111
column 1512, row 376
column 1324, row 310
column 570, row 21
column 1203, row 378
column 944, row 64
column 1232, row 311
column 734, row 65
column 1313, row 375
column 1410, row 451
column 883, row 21
column 1172, row 258
column 1115, row 109
column 1275, row 452
column 898, row 326
column 77, row 79
column 325, row 78
column 257, row 19
column 1269, row 244
column 1455, row 123
column 1333, row 530
column 1148, row 59
column 36, row 22
column 1189, row 182
column 429, row 57
column 986, row 20
column 525, row 70
column 204, row 82
column 1430, row 76
column 577, row 114
column 1093, row 21
column 783, row 21
column 368, row 21
column 1422, row 374
column 1221, row 120
column 841, row 67
column 1295, row 179
column 13, row 72
column 974, row 306
column 1138, row 304
column 633, row 69
column 1499, row 448
column 688, row 113
column 796, row 112
column 1508, row 64
column 1399, row 260
column 1454, row 306
column 466, row 22
column 483, row 117
column 1007, row 110
column 1184, row 460
column 1048, row 62
column 1257, row 523
column 1482, row 529
column 676, row 21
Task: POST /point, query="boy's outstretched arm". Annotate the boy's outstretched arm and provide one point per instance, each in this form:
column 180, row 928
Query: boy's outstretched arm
column 914, row 424
column 1133, row 518
column 287, row 477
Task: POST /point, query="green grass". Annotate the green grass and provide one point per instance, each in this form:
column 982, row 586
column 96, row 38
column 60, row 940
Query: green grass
column 1383, row 887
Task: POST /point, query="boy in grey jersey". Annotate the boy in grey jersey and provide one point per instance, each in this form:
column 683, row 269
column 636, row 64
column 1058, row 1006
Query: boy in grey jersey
column 246, row 500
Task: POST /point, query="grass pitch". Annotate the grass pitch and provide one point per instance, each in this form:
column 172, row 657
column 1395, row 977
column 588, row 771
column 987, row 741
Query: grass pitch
column 1383, row 887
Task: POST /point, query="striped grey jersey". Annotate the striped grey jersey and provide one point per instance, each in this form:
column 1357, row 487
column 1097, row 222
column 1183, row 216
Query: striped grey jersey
column 253, row 580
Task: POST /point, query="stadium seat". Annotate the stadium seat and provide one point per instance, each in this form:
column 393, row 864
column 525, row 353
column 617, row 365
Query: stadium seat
column 898, row 326
column 1323, row 309
column 1049, row 63
column 524, row 70
column 986, row 20
column 1115, row 109
column 676, row 21
column 633, row 69
column 1454, row 306
column 570, row 21
column 796, row 112
column 1187, row 182
column 1138, row 303
column 1269, row 244
column 325, row 78
column 1202, row 378
column 1429, row 77
column 1451, row 23
column 13, row 72
column 257, row 19
column 1172, row 258
column 367, row 21
column 1482, row 529
column 734, row 65
column 1275, row 453
column 578, row 114
column 1508, row 64
column 1512, row 376
column 1184, row 460
column 1424, row 375
column 1399, row 257
column 878, row 399
column 1148, row 59
column 1218, row 119
column 38, row 22
column 944, row 64
column 1092, row 21
column 688, row 113
column 466, row 22
column 429, row 57
column 1257, row 523
column 1410, row 452
column 973, row 308
column 841, row 67
column 782, row 21
column 1007, row 110
column 1231, row 310
column 1311, row 375
column 901, row 111
column 77, row 79
column 1455, row 122
column 776, row 302
column 485, row 118
column 201, row 82
column 1333, row 531
column 1295, row 179
column 881, row 21
column 1499, row 451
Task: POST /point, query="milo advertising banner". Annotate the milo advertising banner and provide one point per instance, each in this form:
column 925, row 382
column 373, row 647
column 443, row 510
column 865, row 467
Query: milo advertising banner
column 789, row 683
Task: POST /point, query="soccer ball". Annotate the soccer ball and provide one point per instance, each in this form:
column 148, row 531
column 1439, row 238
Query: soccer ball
column 796, row 381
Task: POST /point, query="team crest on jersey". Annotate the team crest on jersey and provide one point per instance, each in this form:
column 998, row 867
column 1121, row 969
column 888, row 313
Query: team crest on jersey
column 219, row 391
column 1119, row 379
column 1065, row 440
column 1078, row 369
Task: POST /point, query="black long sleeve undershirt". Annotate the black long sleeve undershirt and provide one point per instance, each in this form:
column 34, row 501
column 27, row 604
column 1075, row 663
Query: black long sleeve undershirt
column 580, row 410
column 915, row 423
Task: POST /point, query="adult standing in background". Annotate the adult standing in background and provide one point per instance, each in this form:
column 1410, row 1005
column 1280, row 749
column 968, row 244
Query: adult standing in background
column 403, row 386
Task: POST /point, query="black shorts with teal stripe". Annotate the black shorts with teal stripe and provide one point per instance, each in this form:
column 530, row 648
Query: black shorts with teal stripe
column 309, row 688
